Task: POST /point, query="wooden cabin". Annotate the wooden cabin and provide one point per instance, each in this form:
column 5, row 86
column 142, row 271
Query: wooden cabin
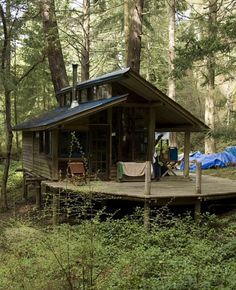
column 110, row 118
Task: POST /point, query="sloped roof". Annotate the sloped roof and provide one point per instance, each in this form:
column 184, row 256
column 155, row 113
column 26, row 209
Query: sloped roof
column 170, row 116
column 67, row 114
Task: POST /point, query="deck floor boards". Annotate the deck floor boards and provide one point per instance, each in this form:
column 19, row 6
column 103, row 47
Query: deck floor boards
column 175, row 187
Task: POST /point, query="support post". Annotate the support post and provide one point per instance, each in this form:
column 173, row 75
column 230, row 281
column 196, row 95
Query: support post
column 55, row 207
column 54, row 141
column 198, row 177
column 197, row 209
column 150, row 149
column 109, row 121
column 148, row 178
column 146, row 215
column 25, row 187
column 186, row 154
column 38, row 195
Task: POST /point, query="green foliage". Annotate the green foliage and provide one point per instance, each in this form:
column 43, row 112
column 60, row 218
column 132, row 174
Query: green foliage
column 118, row 254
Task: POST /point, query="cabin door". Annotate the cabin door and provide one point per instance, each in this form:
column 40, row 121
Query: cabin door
column 99, row 150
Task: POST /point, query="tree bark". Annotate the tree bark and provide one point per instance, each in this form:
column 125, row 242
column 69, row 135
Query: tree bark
column 127, row 12
column 54, row 50
column 210, row 146
column 6, row 66
column 135, row 33
column 85, row 58
column 171, row 79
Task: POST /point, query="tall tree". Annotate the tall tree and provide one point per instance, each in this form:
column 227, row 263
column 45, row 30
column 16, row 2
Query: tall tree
column 6, row 76
column 210, row 146
column 85, row 61
column 54, row 50
column 135, row 34
column 171, row 79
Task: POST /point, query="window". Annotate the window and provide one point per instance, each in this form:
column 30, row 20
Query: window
column 72, row 144
column 84, row 96
column 45, row 142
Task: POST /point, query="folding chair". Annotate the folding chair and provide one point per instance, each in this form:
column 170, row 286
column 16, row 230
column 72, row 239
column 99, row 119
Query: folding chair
column 77, row 170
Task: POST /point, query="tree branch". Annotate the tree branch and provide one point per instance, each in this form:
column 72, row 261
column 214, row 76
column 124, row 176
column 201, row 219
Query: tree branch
column 31, row 69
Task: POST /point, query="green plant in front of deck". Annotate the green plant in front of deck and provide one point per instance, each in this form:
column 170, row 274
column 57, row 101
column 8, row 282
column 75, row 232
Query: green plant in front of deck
column 118, row 254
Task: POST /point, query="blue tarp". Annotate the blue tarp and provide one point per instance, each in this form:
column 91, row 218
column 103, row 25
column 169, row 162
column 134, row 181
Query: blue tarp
column 231, row 149
column 222, row 159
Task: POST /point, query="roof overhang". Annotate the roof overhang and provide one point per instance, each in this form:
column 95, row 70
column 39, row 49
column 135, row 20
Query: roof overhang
column 170, row 116
column 65, row 115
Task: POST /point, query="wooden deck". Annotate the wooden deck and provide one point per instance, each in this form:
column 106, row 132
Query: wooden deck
column 171, row 189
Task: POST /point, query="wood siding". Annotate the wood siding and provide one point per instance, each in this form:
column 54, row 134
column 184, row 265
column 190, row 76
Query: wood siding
column 38, row 163
column 27, row 150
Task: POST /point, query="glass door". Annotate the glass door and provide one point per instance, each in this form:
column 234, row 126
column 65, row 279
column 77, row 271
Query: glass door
column 99, row 150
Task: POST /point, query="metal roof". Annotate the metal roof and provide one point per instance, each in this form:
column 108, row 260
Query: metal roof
column 170, row 116
column 67, row 114
column 109, row 77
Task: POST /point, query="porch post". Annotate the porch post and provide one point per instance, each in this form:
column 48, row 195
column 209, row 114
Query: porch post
column 150, row 149
column 54, row 141
column 186, row 153
column 109, row 121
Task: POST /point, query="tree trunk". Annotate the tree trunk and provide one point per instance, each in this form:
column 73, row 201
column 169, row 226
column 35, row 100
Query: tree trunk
column 6, row 65
column 15, row 122
column 229, row 105
column 54, row 50
column 171, row 79
column 85, row 61
column 135, row 33
column 127, row 12
column 210, row 146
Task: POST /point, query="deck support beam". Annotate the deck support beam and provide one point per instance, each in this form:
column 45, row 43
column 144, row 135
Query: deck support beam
column 25, row 187
column 186, row 153
column 38, row 195
column 197, row 209
column 146, row 215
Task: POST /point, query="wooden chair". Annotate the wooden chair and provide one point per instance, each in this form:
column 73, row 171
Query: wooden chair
column 77, row 171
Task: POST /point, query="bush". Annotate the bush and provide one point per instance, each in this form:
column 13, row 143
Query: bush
column 176, row 253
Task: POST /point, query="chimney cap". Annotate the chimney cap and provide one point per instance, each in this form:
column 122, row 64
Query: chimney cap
column 74, row 104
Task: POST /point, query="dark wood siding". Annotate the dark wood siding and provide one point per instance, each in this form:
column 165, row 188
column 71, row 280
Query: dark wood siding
column 27, row 150
column 42, row 163
column 39, row 163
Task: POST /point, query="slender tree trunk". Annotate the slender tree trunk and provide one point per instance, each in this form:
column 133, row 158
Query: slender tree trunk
column 15, row 109
column 85, row 61
column 15, row 122
column 210, row 146
column 6, row 65
column 229, row 106
column 127, row 12
column 54, row 50
column 171, row 79
column 135, row 33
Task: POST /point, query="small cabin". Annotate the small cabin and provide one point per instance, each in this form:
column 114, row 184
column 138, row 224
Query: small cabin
column 102, row 121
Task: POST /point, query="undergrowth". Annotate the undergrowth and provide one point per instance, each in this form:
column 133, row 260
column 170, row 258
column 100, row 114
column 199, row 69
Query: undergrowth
column 177, row 253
